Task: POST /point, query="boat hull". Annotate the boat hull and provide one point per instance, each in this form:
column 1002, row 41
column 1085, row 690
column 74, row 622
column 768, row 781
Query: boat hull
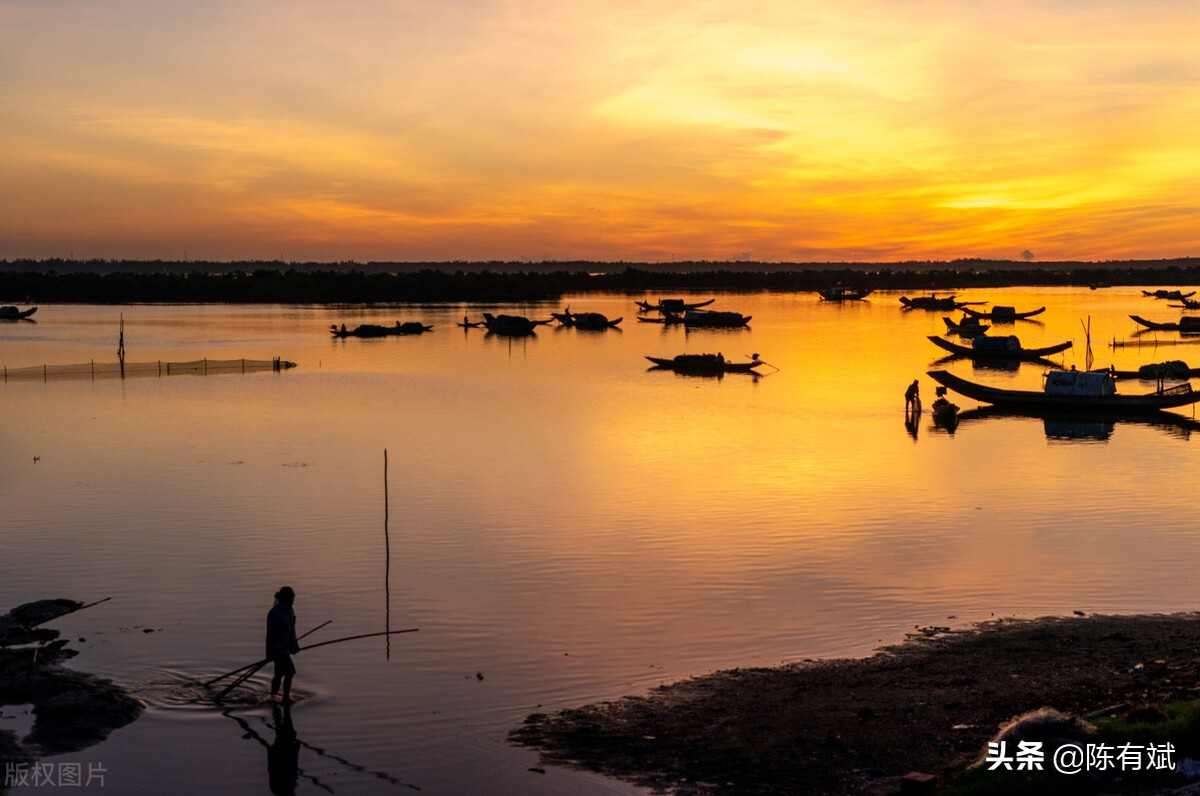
column 1181, row 395
column 1003, row 314
column 999, row 353
column 672, row 305
column 844, row 293
column 707, row 364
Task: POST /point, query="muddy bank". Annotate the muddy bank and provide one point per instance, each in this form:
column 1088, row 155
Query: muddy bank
column 72, row 710
column 857, row 726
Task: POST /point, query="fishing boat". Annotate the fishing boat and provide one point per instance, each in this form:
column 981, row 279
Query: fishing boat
column 935, row 302
column 510, row 324
column 709, row 319
column 1186, row 304
column 1171, row 370
column 15, row 314
column 1174, row 295
column 966, row 327
column 1186, row 324
column 589, row 321
column 1071, row 391
column 843, row 293
column 945, row 413
column 1008, row 347
column 667, row 319
column 1000, row 314
column 376, row 330
column 706, row 364
column 672, row 305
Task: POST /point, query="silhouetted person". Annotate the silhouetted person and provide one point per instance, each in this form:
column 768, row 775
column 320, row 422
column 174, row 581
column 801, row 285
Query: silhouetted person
column 283, row 756
column 912, row 397
column 281, row 641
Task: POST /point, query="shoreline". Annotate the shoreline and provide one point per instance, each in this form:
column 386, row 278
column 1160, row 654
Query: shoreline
column 93, row 282
column 856, row 726
column 72, row 709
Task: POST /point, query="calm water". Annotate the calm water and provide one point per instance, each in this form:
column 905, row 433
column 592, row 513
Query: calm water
column 565, row 526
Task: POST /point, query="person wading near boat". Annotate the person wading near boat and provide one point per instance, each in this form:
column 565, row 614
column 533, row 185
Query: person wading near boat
column 912, row 397
column 281, row 641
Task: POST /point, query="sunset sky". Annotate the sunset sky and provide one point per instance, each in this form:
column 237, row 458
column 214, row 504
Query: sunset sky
column 863, row 130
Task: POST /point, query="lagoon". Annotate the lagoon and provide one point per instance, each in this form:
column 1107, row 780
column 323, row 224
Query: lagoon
column 564, row 525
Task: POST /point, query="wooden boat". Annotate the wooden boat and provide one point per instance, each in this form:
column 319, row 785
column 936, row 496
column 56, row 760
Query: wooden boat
column 667, row 318
column 376, row 330
column 15, row 314
column 967, row 327
column 1186, row 324
column 1071, row 391
column 709, row 319
column 590, row 321
column 1003, row 314
column 1171, row 370
column 935, row 302
column 706, row 364
column 842, row 293
column 510, row 324
column 672, row 305
column 1174, row 295
column 1008, row 347
column 945, row 413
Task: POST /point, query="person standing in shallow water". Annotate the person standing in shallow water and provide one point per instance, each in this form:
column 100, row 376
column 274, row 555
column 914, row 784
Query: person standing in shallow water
column 281, row 641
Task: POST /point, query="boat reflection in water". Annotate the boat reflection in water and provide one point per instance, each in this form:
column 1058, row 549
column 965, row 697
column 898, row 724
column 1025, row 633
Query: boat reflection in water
column 1091, row 426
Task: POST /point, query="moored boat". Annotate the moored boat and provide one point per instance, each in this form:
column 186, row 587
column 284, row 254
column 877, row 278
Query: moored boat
column 1174, row 295
column 843, row 293
column 510, row 324
column 1175, row 369
column 1186, row 324
column 935, row 302
column 705, row 364
column 672, row 305
column 377, row 330
column 711, row 319
column 1007, row 347
column 999, row 314
column 15, row 313
column 588, row 321
column 966, row 327
column 1071, row 390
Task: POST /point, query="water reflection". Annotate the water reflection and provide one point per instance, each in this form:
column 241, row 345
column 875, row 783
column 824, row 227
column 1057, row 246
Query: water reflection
column 1088, row 426
column 283, row 748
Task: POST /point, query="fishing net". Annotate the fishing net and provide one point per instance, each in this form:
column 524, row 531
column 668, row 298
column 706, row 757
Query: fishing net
column 117, row 370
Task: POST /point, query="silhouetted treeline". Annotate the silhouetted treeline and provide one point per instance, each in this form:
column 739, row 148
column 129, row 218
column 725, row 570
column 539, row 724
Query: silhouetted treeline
column 123, row 282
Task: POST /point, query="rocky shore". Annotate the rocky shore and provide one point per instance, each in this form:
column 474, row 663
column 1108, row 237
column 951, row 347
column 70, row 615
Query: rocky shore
column 858, row 726
column 72, row 710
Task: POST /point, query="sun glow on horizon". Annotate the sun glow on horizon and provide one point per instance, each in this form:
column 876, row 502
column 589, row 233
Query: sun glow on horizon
column 513, row 129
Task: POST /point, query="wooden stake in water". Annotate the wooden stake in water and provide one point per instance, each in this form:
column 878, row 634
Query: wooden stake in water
column 121, row 346
column 387, row 564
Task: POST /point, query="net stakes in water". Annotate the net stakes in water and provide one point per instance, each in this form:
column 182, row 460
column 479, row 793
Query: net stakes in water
column 118, row 370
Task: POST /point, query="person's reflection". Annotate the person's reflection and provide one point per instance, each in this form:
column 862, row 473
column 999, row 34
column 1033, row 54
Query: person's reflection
column 283, row 756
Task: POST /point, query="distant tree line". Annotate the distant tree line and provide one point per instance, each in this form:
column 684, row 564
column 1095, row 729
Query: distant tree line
column 124, row 282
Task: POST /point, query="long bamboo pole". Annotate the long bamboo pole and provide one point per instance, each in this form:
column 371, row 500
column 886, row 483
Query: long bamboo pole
column 254, row 667
column 265, row 660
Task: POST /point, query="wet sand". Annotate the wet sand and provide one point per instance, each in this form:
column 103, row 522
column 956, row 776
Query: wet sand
column 857, row 726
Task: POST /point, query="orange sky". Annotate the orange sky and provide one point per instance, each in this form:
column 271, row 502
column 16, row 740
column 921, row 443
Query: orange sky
column 529, row 129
